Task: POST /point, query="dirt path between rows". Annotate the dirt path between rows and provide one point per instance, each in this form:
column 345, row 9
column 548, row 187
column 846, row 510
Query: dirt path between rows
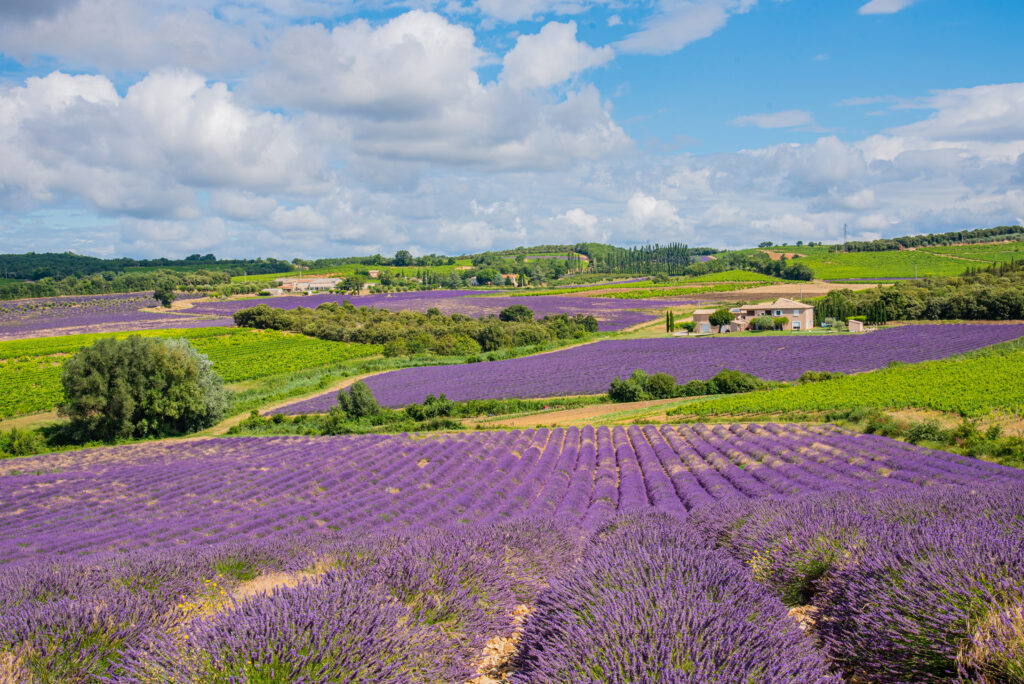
column 568, row 416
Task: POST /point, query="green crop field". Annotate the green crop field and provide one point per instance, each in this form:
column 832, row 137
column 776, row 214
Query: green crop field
column 733, row 276
column 30, row 369
column 350, row 269
column 971, row 385
column 981, row 253
column 924, row 261
column 655, row 293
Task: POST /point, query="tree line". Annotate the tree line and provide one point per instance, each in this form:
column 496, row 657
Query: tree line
column 679, row 259
column 412, row 332
column 952, row 238
column 994, row 293
column 109, row 283
column 33, row 266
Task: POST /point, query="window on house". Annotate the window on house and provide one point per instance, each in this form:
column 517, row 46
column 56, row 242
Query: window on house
column 778, row 312
column 796, row 325
column 796, row 312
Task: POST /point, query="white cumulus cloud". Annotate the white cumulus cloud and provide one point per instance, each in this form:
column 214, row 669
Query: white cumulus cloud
column 885, row 6
column 681, row 22
column 550, row 57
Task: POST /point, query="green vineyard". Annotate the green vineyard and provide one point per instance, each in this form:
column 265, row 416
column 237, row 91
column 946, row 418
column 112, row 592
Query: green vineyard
column 972, row 386
column 30, row 369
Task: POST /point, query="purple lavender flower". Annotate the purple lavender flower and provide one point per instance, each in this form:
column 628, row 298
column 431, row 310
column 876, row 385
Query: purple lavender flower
column 591, row 368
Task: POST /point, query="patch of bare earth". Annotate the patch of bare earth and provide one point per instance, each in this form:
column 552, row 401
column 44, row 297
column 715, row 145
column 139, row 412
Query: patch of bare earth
column 10, row 671
column 777, row 256
column 592, row 413
column 804, row 616
column 814, row 288
column 495, row 663
column 264, row 584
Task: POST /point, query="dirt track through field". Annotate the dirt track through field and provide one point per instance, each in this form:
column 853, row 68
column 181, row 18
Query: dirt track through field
column 584, row 414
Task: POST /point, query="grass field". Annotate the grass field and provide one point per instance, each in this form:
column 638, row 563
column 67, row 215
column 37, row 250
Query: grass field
column 989, row 253
column 732, row 276
column 30, row 369
column 684, row 291
column 972, row 385
column 926, row 261
column 350, row 269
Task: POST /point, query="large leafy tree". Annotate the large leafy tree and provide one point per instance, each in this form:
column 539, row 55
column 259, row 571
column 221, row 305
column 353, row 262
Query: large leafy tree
column 140, row 387
column 518, row 313
column 720, row 317
column 358, row 401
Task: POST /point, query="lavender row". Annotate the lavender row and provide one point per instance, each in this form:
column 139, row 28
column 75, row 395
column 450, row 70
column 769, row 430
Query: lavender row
column 651, row 601
column 208, row 492
column 396, row 559
column 956, row 555
column 646, row 596
column 590, row 369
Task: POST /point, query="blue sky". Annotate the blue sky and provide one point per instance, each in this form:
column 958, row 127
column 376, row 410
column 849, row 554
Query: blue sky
column 307, row 128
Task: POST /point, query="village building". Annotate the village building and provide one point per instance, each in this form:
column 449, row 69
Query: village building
column 307, row 285
column 799, row 316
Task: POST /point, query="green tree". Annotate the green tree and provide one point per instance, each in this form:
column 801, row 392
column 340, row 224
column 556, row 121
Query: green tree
column 720, row 317
column 763, row 322
column 353, row 284
column 661, row 386
column 797, row 272
column 403, row 257
column 358, row 401
column 630, row 389
column 518, row 313
column 164, row 293
column 732, row 382
column 140, row 387
column 486, row 276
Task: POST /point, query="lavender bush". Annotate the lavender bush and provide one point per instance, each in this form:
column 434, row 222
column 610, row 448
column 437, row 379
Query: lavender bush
column 906, row 585
column 591, row 368
column 649, row 602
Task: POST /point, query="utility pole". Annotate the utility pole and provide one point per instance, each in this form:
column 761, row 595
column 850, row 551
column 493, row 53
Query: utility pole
column 844, row 238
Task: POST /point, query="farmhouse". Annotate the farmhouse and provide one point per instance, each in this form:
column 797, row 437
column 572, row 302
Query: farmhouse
column 308, row 284
column 798, row 316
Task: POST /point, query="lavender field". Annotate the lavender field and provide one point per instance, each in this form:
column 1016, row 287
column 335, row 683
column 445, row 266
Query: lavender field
column 23, row 318
column 628, row 554
column 590, row 369
column 612, row 314
column 122, row 312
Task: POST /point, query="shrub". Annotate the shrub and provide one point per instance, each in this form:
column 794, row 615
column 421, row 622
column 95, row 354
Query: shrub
column 732, row 382
column 818, row 376
column 517, row 313
column 694, row 388
column 630, row 389
column 762, row 323
column 661, row 386
column 140, row 387
column 358, row 401
column 926, row 431
column 21, row 443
